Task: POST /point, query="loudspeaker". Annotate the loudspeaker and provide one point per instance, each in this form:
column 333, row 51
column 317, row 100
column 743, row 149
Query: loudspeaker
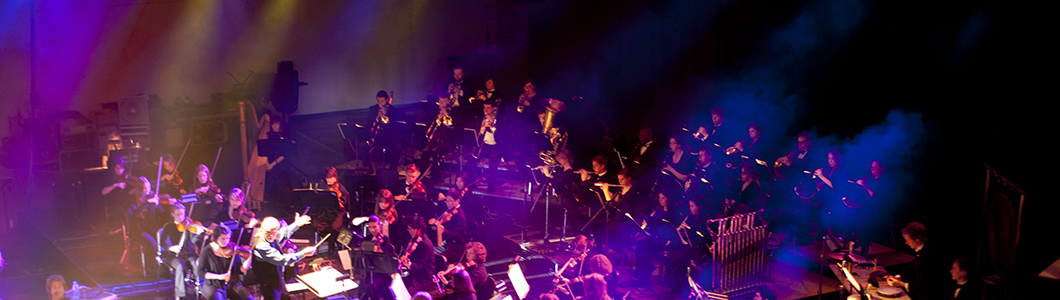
column 284, row 92
column 132, row 111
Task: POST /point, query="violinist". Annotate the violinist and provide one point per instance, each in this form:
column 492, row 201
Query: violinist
column 269, row 262
column 581, row 247
column 117, row 190
column 451, row 224
column 222, row 275
column 204, row 188
column 237, row 209
column 418, row 258
column 386, row 209
column 414, row 189
column 171, row 181
column 142, row 217
column 176, row 240
column 463, row 288
column 342, row 195
column 381, row 283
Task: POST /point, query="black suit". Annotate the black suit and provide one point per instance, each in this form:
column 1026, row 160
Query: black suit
column 269, row 262
column 642, row 163
column 971, row 290
column 926, row 276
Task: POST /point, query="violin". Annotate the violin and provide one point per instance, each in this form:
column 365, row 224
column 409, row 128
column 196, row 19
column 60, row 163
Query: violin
column 193, row 226
column 410, row 248
column 452, row 268
column 175, row 180
column 231, row 249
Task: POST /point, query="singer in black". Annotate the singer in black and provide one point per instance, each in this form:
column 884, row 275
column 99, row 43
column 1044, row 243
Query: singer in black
column 223, row 277
column 418, row 258
column 269, row 261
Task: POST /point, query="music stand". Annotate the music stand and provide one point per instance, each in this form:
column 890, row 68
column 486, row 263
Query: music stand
column 373, row 262
column 352, row 132
column 326, row 282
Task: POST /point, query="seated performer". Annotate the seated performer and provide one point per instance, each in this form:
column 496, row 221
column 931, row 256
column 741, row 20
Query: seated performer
column 418, row 258
column 596, row 288
column 341, row 194
column 269, row 261
column 661, row 225
column 924, row 278
column 563, row 177
column 624, row 196
column 707, row 181
column 143, row 217
column 967, row 286
column 386, row 209
column 798, row 159
column 749, row 146
column 678, row 164
column 480, row 280
column 463, row 289
column 599, row 175
column 171, row 181
column 204, row 188
column 381, row 282
column 747, row 191
column 721, row 132
column 646, row 155
column 451, row 227
column 695, row 231
column 176, row 246
column 237, row 209
column 223, row 277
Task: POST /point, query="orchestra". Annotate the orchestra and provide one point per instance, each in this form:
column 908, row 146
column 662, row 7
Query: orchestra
column 655, row 202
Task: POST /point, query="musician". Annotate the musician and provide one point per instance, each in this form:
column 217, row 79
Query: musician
column 490, row 94
column 342, row 195
column 223, row 277
column 750, row 146
column 418, row 257
column 661, row 227
column 269, row 261
column 463, row 289
column 721, row 132
column 117, row 191
column 874, row 197
column 798, row 159
column 624, row 197
column 679, row 163
column 382, row 150
column 832, row 175
column 488, row 142
column 967, row 286
column 563, row 177
column 695, row 229
column 527, row 101
column 581, row 247
column 452, row 226
column 381, row 283
column 599, row 175
column 176, row 246
column 171, row 180
column 143, row 217
column 237, row 209
column 386, row 209
column 480, row 280
column 646, row 154
column 707, row 180
column 923, row 279
column 55, row 285
column 746, row 191
column 414, row 189
column 459, row 91
column 204, row 188
column 596, row 288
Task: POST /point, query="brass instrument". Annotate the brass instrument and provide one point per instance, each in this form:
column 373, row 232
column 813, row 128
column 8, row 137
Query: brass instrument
column 522, row 99
column 558, row 141
column 381, row 119
column 443, row 119
column 487, row 124
column 455, row 92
